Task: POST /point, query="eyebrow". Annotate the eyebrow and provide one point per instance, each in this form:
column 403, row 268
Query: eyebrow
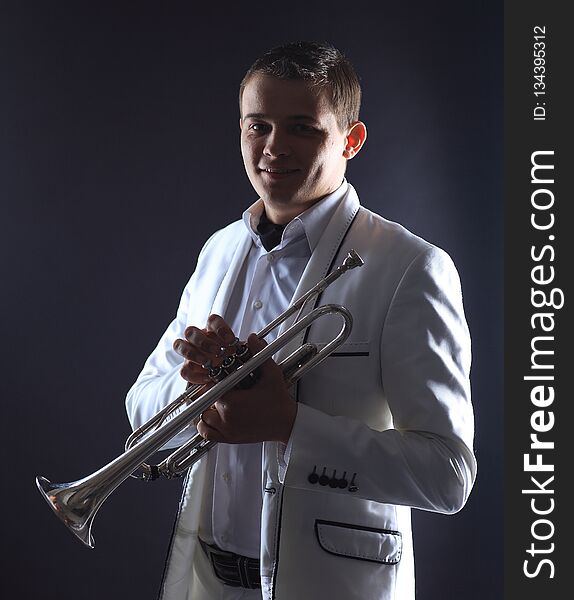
column 290, row 117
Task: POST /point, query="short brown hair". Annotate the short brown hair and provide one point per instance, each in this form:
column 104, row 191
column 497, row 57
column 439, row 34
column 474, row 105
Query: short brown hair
column 321, row 64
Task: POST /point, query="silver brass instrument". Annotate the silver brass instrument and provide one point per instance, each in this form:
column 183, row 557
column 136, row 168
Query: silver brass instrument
column 76, row 503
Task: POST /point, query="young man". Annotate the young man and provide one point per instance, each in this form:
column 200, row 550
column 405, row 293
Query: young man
column 308, row 493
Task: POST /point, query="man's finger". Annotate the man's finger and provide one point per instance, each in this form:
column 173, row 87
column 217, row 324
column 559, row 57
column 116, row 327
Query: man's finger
column 203, row 340
column 256, row 345
column 206, row 428
column 193, row 353
column 219, row 327
column 194, row 373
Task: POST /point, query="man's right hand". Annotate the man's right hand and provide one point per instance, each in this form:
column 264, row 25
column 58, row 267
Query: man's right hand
column 204, row 348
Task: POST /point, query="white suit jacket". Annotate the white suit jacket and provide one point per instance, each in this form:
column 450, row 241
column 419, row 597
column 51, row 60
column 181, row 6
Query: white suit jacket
column 389, row 411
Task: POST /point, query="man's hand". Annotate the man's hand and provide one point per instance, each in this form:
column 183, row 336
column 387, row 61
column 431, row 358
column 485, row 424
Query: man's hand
column 204, row 348
column 265, row 412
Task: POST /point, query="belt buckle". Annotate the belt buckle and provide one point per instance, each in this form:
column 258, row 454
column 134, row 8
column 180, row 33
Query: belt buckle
column 222, row 560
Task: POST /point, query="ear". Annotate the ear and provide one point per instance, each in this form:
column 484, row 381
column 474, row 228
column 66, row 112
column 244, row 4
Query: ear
column 356, row 137
column 240, row 123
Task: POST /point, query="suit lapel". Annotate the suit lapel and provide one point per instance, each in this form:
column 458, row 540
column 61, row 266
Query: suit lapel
column 225, row 290
column 321, row 261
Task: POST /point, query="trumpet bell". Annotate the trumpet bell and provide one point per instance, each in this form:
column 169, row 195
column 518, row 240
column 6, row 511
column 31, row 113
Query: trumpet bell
column 77, row 516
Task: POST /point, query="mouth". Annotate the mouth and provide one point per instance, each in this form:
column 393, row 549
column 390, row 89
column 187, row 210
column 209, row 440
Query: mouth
column 277, row 170
column 276, row 173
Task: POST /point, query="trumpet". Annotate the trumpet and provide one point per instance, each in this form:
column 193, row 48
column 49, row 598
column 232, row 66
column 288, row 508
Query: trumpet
column 76, row 503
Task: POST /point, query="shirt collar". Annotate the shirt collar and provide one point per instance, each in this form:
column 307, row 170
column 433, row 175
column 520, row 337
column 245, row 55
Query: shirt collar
column 310, row 223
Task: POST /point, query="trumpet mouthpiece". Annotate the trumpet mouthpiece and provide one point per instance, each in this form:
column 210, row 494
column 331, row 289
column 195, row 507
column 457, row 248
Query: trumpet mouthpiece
column 353, row 260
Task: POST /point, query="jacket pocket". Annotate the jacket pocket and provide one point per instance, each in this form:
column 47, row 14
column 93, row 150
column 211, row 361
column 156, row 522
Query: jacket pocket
column 364, row 543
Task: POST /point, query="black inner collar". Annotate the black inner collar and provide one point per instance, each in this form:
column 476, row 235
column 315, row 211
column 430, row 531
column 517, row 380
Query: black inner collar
column 269, row 233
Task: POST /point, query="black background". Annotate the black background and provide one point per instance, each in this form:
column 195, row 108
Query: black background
column 120, row 155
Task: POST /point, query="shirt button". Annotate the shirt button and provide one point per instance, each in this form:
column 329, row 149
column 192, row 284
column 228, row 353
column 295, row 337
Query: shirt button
column 271, row 258
column 226, row 476
column 224, row 538
column 257, row 304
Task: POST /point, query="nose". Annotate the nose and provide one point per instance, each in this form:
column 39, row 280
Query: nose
column 276, row 144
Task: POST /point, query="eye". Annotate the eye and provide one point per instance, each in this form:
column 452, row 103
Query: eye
column 304, row 128
column 258, row 127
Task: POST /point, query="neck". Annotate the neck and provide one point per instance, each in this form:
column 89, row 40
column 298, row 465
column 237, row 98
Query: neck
column 280, row 217
column 281, row 214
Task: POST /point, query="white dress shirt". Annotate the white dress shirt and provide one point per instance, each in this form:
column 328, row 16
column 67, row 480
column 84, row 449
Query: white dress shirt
column 231, row 513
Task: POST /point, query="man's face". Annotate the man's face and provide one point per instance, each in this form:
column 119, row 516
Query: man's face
column 291, row 144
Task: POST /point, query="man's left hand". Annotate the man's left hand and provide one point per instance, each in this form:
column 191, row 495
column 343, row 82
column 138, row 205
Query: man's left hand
column 265, row 412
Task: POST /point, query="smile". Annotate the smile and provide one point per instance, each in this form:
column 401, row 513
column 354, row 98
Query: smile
column 278, row 171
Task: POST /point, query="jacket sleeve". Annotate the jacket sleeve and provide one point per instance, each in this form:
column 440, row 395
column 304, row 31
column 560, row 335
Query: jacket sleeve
column 425, row 460
column 160, row 381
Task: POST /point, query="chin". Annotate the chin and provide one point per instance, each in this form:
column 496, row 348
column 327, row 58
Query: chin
column 276, row 196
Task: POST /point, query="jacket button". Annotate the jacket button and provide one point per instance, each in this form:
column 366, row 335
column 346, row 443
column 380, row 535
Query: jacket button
column 352, row 486
column 313, row 477
column 334, row 481
column 324, row 479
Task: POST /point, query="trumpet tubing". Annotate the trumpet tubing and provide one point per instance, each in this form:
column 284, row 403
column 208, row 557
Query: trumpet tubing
column 76, row 503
